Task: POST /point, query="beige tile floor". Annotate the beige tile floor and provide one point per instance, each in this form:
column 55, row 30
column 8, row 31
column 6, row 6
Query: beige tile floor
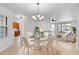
column 60, row 48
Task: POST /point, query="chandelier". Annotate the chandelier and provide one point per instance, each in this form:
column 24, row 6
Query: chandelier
column 37, row 17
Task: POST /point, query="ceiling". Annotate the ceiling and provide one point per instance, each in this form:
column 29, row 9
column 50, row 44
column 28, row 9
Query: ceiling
column 46, row 9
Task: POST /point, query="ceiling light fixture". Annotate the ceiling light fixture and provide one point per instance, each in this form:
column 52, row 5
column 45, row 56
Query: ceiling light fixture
column 37, row 17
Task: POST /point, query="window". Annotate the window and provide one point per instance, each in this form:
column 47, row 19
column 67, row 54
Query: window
column 64, row 27
column 3, row 26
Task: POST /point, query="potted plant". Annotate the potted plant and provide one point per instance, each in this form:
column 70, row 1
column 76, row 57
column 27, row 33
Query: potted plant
column 37, row 32
column 74, row 32
column 74, row 29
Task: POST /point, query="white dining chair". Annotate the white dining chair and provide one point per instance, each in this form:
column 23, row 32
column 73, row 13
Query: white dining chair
column 26, row 44
column 48, row 45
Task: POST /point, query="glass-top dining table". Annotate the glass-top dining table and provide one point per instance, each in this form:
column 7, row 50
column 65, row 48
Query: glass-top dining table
column 36, row 42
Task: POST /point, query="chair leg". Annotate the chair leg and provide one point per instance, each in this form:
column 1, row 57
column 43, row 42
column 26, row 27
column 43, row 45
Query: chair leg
column 52, row 50
column 47, row 51
column 24, row 50
column 28, row 50
column 40, row 49
column 35, row 50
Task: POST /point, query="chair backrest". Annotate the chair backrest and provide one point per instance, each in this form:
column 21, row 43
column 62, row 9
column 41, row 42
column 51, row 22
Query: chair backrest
column 25, row 42
column 50, row 42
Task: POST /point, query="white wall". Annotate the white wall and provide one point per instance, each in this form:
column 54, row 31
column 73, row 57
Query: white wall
column 5, row 43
